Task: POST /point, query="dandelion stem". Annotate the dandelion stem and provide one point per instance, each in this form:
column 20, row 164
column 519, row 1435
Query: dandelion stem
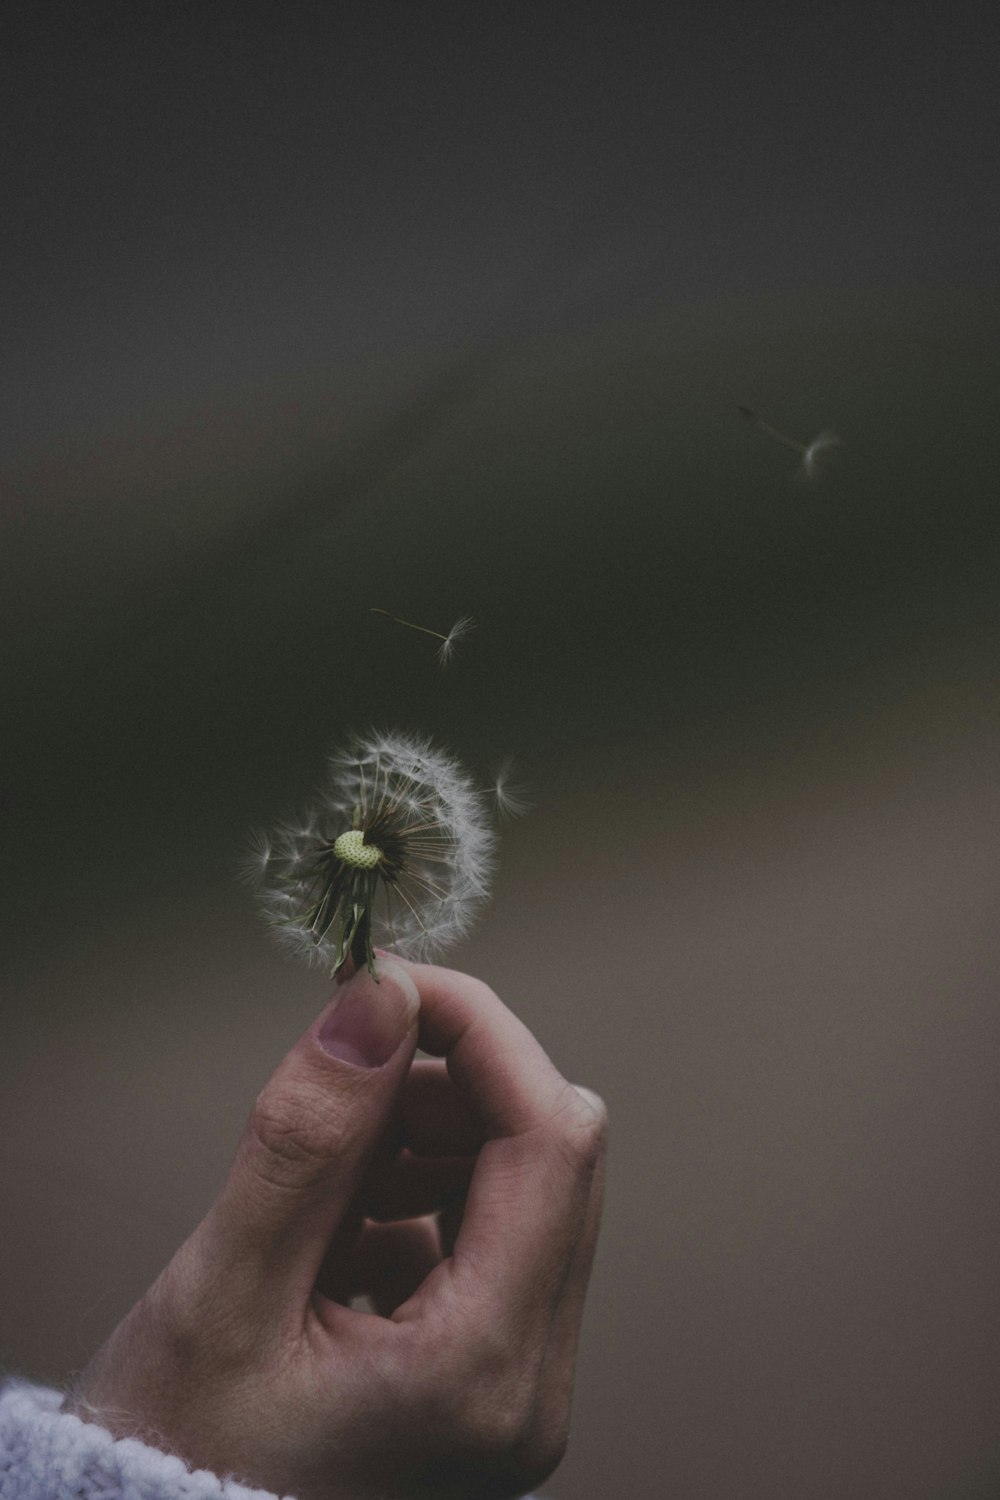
column 361, row 945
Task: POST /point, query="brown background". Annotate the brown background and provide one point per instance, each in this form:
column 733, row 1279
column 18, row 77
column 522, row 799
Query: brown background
column 755, row 903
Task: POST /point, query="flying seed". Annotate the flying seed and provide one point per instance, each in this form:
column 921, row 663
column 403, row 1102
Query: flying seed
column 446, row 649
column 811, row 453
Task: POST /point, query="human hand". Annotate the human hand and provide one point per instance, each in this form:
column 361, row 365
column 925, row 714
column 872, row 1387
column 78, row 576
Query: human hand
column 474, row 1243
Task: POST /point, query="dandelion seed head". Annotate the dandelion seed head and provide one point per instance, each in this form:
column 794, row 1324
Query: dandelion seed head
column 400, row 834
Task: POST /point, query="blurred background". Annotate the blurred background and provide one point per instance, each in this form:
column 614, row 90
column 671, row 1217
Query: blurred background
column 449, row 309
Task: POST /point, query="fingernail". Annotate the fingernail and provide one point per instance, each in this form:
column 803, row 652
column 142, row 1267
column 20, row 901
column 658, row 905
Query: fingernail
column 371, row 1019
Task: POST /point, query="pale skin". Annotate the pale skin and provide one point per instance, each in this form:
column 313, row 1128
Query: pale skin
column 473, row 1241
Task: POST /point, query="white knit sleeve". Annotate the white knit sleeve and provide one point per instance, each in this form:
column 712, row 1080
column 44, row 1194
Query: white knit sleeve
column 46, row 1454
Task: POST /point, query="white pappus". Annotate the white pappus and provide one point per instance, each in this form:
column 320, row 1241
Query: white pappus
column 398, row 850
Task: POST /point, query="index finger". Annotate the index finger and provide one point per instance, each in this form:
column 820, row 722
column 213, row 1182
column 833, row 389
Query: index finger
column 526, row 1206
column 505, row 1075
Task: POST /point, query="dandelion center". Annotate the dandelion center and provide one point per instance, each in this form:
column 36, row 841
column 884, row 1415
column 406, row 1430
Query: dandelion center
column 351, row 849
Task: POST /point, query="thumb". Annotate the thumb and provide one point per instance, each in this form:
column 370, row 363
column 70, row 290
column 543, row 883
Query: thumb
column 309, row 1138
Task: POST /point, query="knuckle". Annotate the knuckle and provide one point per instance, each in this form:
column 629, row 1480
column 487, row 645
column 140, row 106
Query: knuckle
column 494, row 1404
column 183, row 1315
column 289, row 1137
column 543, row 1452
column 580, row 1129
column 493, row 1422
column 498, row 1428
column 490, row 1397
column 595, row 1102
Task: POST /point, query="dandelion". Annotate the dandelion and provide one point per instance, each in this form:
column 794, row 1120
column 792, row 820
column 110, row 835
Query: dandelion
column 446, row 650
column 398, row 850
column 812, row 453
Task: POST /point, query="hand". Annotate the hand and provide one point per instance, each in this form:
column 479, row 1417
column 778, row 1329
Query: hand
column 473, row 1242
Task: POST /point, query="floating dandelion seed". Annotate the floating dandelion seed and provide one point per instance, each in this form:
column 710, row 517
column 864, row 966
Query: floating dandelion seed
column 446, row 650
column 811, row 458
column 812, row 453
column 398, row 850
column 509, row 798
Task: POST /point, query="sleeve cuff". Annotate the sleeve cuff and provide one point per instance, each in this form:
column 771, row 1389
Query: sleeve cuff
column 48, row 1454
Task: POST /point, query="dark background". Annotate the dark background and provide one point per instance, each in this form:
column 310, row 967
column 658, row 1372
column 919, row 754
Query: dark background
column 448, row 308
